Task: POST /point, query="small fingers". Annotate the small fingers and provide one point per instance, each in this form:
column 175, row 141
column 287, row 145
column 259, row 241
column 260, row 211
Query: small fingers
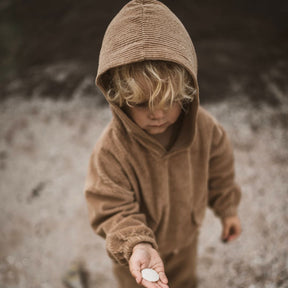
column 234, row 233
column 225, row 234
column 137, row 275
column 163, row 277
column 163, row 285
column 149, row 284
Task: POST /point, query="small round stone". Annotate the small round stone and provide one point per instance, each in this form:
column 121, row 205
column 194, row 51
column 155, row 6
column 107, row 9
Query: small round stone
column 150, row 275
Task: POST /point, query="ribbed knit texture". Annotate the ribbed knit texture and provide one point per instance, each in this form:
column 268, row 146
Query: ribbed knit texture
column 146, row 30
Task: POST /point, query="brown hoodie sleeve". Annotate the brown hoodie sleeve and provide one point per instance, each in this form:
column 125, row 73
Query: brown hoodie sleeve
column 113, row 210
column 224, row 193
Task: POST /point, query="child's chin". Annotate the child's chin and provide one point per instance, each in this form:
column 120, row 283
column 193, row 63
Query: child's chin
column 156, row 130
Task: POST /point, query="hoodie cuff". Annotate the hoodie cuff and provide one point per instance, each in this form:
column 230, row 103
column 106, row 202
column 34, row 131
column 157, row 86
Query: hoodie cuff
column 230, row 212
column 131, row 243
column 120, row 247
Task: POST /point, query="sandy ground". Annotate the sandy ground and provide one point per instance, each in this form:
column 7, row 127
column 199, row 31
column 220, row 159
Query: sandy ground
column 45, row 145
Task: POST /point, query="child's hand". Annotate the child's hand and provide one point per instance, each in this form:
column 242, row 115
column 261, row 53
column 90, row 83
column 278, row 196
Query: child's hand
column 145, row 256
column 231, row 228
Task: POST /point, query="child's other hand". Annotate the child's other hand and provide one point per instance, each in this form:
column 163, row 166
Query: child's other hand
column 145, row 256
column 231, row 228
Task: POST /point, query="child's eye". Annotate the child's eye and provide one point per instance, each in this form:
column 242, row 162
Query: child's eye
column 142, row 105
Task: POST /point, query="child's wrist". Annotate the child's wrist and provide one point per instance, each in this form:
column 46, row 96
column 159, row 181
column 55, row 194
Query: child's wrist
column 142, row 245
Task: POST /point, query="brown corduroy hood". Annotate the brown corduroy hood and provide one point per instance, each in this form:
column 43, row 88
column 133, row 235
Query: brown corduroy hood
column 136, row 190
column 148, row 30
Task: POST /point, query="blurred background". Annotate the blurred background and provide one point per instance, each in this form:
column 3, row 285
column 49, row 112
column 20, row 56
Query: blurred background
column 51, row 116
column 239, row 40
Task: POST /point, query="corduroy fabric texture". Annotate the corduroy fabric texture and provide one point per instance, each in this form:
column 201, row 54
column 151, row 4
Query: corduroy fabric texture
column 136, row 190
column 146, row 30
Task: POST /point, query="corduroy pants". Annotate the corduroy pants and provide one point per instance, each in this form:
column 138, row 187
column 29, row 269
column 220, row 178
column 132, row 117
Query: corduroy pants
column 180, row 268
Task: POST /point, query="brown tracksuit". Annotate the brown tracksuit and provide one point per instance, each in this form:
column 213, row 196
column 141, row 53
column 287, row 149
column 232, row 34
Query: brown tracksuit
column 136, row 190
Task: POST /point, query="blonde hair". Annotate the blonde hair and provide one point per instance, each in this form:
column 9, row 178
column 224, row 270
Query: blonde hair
column 157, row 83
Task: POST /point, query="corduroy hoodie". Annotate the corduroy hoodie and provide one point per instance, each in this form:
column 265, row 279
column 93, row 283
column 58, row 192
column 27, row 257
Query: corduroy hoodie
column 136, row 190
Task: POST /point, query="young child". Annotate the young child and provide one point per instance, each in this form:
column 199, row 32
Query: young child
column 162, row 159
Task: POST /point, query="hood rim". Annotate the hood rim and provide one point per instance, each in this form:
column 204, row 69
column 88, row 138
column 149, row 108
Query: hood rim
column 98, row 81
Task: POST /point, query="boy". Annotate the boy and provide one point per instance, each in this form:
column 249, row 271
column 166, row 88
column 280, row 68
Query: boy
column 162, row 159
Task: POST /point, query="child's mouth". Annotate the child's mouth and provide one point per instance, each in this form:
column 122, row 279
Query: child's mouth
column 158, row 125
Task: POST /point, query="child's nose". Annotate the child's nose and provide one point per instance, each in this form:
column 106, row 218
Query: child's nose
column 157, row 114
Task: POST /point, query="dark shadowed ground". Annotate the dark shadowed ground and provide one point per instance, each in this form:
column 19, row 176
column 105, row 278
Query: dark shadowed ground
column 238, row 43
column 51, row 116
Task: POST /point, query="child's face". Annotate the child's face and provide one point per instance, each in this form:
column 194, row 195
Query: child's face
column 156, row 121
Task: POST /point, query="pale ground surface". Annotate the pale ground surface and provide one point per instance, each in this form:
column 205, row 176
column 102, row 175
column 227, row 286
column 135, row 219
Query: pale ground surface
column 44, row 150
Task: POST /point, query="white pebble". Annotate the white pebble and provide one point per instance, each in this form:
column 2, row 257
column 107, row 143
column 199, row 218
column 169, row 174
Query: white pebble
column 150, row 275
